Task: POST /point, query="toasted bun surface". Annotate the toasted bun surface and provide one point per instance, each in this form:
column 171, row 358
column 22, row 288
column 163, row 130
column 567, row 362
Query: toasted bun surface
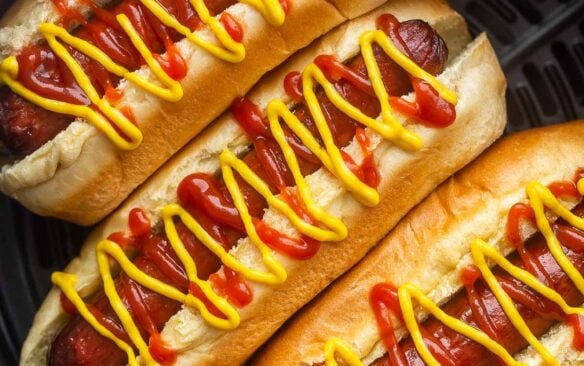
column 473, row 73
column 80, row 176
column 431, row 244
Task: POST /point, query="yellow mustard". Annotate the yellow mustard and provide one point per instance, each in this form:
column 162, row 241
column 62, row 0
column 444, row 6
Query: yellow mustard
column 389, row 127
column 408, row 292
column 327, row 228
column 539, row 198
column 335, row 346
column 66, row 282
column 107, row 118
column 271, row 10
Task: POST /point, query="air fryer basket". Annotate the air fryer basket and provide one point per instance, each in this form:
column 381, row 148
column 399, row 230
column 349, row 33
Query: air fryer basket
column 540, row 44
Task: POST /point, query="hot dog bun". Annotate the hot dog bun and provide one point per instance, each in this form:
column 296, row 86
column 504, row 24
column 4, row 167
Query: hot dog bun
column 431, row 244
column 80, row 176
column 406, row 178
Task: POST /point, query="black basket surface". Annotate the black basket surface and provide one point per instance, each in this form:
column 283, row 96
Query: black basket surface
column 540, row 44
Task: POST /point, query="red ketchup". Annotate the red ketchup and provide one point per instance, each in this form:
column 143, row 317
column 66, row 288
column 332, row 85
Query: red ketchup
column 124, row 241
column 41, row 71
column 358, row 90
column 70, row 16
column 160, row 351
column 207, row 198
column 233, row 286
column 198, row 293
column 517, row 214
column 173, row 63
column 468, row 276
column 139, row 223
column 286, row 6
column 113, row 95
column 108, row 323
column 564, row 189
column 577, row 324
column 367, row 171
column 569, row 236
column 232, row 27
column 384, row 302
column 294, row 201
column 429, row 107
column 335, row 70
column 293, row 86
column 484, row 311
column 298, row 248
column 521, row 212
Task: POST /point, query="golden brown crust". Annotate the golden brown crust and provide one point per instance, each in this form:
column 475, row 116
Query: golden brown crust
column 430, row 241
column 101, row 177
column 407, row 178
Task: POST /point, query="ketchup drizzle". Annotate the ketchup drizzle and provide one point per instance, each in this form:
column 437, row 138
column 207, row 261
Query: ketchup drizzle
column 429, row 108
column 207, row 199
column 232, row 26
column 383, row 297
column 293, row 86
column 352, row 81
column 469, row 275
column 139, row 223
column 384, row 302
column 160, row 351
column 233, row 286
column 44, row 73
column 577, row 324
column 108, row 322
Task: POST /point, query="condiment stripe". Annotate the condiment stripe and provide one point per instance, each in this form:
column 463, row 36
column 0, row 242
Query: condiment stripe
column 327, row 227
column 107, row 118
column 540, row 198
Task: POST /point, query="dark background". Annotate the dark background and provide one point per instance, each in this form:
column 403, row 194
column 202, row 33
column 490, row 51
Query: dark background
column 540, row 44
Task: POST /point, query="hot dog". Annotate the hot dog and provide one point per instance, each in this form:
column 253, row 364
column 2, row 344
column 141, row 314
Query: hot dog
column 95, row 96
column 257, row 237
column 499, row 247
